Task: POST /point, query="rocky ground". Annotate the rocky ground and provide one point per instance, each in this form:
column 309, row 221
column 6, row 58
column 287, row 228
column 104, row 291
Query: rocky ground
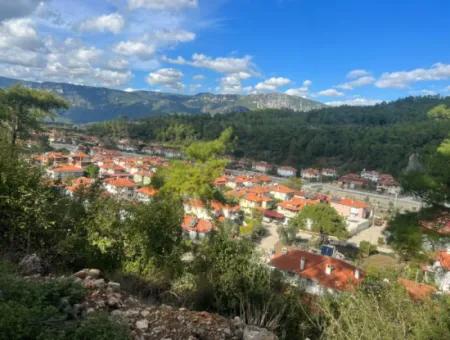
column 151, row 321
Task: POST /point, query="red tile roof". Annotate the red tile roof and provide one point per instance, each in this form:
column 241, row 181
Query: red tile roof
column 120, row 182
column 147, row 191
column 192, row 223
column 353, row 203
column 282, row 189
column 417, row 291
column 444, row 259
column 342, row 276
column 297, row 203
column 67, row 168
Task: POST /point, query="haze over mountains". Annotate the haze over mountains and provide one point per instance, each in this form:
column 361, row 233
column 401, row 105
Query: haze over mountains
column 90, row 104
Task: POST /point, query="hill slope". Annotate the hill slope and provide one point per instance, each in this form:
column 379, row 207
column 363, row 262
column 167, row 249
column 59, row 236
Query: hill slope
column 90, row 104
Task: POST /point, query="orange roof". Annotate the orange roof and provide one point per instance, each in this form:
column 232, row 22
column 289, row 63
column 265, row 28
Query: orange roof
column 79, row 154
column 195, row 203
column 263, row 179
column 236, row 193
column 444, row 259
column 417, row 291
column 83, row 181
column 219, row 206
column 258, row 189
column 67, row 168
column 120, row 182
column 342, row 276
column 282, row 189
column 148, row 191
column 252, row 197
column 192, row 223
column 353, row 203
column 296, row 204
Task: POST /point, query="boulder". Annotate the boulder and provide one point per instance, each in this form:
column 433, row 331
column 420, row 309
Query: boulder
column 142, row 324
column 94, row 273
column 31, row 265
column 256, row 333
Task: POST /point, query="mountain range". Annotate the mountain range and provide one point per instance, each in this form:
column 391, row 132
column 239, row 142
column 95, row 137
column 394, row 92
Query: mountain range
column 91, row 104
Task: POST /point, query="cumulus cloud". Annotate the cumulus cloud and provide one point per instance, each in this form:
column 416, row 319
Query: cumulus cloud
column 18, row 8
column 174, row 36
column 138, row 49
column 357, row 78
column 232, row 83
column 330, row 93
column 162, row 4
column 402, row 79
column 168, row 77
column 113, row 22
column 272, row 84
column 302, row 91
column 355, row 101
column 19, row 33
column 198, row 77
column 220, row 64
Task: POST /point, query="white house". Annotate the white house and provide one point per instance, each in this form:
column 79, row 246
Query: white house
column 286, row 171
column 65, row 171
column 122, row 187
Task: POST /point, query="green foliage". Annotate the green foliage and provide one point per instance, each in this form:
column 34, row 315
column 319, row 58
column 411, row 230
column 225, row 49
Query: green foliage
column 176, row 133
column 366, row 249
column 45, row 310
column 323, row 218
column 294, row 183
column 441, row 111
column 92, row 171
column 195, row 178
column 386, row 312
column 22, row 109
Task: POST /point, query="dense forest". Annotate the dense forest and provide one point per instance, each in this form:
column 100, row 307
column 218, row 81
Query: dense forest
column 378, row 137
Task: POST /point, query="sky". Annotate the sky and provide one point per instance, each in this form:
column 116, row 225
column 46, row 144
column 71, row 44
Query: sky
column 355, row 52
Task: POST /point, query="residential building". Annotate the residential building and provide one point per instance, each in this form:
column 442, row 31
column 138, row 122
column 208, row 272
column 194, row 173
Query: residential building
column 386, row 183
column 328, row 173
column 281, row 192
column 262, row 167
column 372, row 175
column 65, row 171
column 353, row 181
column 145, row 194
column 317, row 274
column 121, row 187
column 251, row 201
column 196, row 227
column 311, row 174
column 292, row 207
column 347, row 207
column 197, row 208
column 286, row 171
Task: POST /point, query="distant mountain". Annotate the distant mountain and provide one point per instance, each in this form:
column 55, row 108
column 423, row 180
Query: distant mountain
column 90, row 104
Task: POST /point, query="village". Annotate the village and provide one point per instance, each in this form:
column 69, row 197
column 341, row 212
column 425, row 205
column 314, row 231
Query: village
column 262, row 199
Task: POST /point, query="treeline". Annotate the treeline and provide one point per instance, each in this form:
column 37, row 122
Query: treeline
column 350, row 138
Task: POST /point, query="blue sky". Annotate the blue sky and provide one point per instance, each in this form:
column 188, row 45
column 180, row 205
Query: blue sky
column 334, row 51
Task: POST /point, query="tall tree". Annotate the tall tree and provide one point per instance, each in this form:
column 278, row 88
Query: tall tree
column 22, row 109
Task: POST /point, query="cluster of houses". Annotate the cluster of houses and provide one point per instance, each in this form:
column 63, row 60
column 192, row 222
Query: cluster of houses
column 384, row 183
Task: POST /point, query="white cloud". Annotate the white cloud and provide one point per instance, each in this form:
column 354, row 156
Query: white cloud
column 19, row 33
column 18, row 8
column 357, row 78
column 138, row 49
column 220, row 64
column 402, row 79
column 162, row 4
column 198, row 77
column 426, row 92
column 447, row 88
column 168, row 77
column 355, row 101
column 174, row 36
column 272, row 84
column 302, row 91
column 113, row 22
column 330, row 93
column 118, row 64
column 232, row 83
column 358, row 73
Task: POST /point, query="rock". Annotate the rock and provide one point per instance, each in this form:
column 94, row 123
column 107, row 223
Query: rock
column 113, row 301
column 142, row 324
column 145, row 313
column 256, row 333
column 94, row 273
column 31, row 265
column 99, row 283
column 81, row 274
column 115, row 286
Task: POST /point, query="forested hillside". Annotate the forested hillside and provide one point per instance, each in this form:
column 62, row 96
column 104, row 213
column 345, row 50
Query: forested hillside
column 351, row 138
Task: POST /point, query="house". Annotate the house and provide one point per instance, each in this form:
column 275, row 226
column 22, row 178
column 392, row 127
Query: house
column 122, row 187
column 417, row 291
column 347, row 207
column 281, row 192
column 196, row 227
column 65, row 171
column 311, row 174
column 372, row 176
column 292, row 207
column 145, row 194
column 386, row 183
column 80, row 159
column 272, row 216
column 79, row 183
column 52, row 158
column 197, row 208
column 441, row 268
column 262, row 167
column 110, row 169
column 263, row 179
column 143, row 177
column 286, row 171
column 251, row 201
column 352, row 181
column 317, row 274
column 221, row 210
column 328, row 173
